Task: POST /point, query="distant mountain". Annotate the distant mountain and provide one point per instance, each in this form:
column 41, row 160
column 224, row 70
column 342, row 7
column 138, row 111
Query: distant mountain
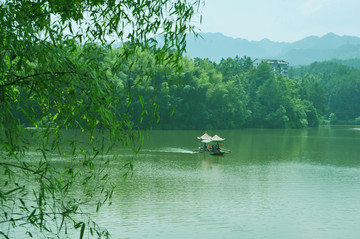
column 216, row 46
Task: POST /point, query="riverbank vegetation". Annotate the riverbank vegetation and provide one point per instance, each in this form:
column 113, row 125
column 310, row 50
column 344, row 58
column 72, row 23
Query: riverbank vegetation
column 340, row 83
column 235, row 93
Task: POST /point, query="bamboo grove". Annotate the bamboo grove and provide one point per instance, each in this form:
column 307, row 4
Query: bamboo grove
column 237, row 93
column 234, row 93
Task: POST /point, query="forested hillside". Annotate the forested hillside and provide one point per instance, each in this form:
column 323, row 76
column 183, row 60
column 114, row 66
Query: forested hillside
column 341, row 85
column 235, row 93
column 231, row 94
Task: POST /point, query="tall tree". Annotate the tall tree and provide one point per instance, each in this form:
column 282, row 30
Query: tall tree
column 53, row 78
column 257, row 77
column 331, row 88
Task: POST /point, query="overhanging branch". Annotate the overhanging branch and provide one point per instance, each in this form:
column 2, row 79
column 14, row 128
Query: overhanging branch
column 26, row 79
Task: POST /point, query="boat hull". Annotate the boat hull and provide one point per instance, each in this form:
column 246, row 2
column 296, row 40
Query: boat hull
column 217, row 153
column 220, row 152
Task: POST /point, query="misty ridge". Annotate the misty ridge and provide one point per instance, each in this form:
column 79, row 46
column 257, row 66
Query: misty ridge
column 216, row 46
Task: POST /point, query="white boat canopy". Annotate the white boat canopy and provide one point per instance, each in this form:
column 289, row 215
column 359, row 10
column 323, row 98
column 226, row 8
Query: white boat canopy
column 206, row 141
column 205, row 137
column 217, row 138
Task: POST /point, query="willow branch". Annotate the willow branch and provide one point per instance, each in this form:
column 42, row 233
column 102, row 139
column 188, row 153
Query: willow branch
column 38, row 172
column 24, row 79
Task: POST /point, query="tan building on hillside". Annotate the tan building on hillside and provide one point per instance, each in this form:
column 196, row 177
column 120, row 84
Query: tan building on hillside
column 279, row 66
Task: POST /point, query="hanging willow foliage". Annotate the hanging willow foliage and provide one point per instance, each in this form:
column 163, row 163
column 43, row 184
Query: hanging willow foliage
column 52, row 80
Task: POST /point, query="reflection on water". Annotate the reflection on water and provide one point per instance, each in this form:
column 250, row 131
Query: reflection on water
column 274, row 184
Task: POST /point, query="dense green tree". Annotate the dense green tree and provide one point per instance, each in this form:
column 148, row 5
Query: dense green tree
column 214, row 96
column 345, row 96
column 332, row 88
column 237, row 103
column 317, row 96
column 256, row 78
column 270, row 101
column 248, row 97
column 231, row 67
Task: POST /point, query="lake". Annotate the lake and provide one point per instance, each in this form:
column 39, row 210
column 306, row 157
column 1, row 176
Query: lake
column 274, row 184
column 302, row 183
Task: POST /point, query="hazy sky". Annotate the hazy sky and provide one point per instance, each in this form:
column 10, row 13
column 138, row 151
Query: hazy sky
column 281, row 20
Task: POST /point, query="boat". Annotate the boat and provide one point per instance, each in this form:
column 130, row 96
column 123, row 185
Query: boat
column 212, row 144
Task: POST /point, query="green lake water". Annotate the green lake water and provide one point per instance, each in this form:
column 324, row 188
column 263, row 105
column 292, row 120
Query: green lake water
column 274, row 184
